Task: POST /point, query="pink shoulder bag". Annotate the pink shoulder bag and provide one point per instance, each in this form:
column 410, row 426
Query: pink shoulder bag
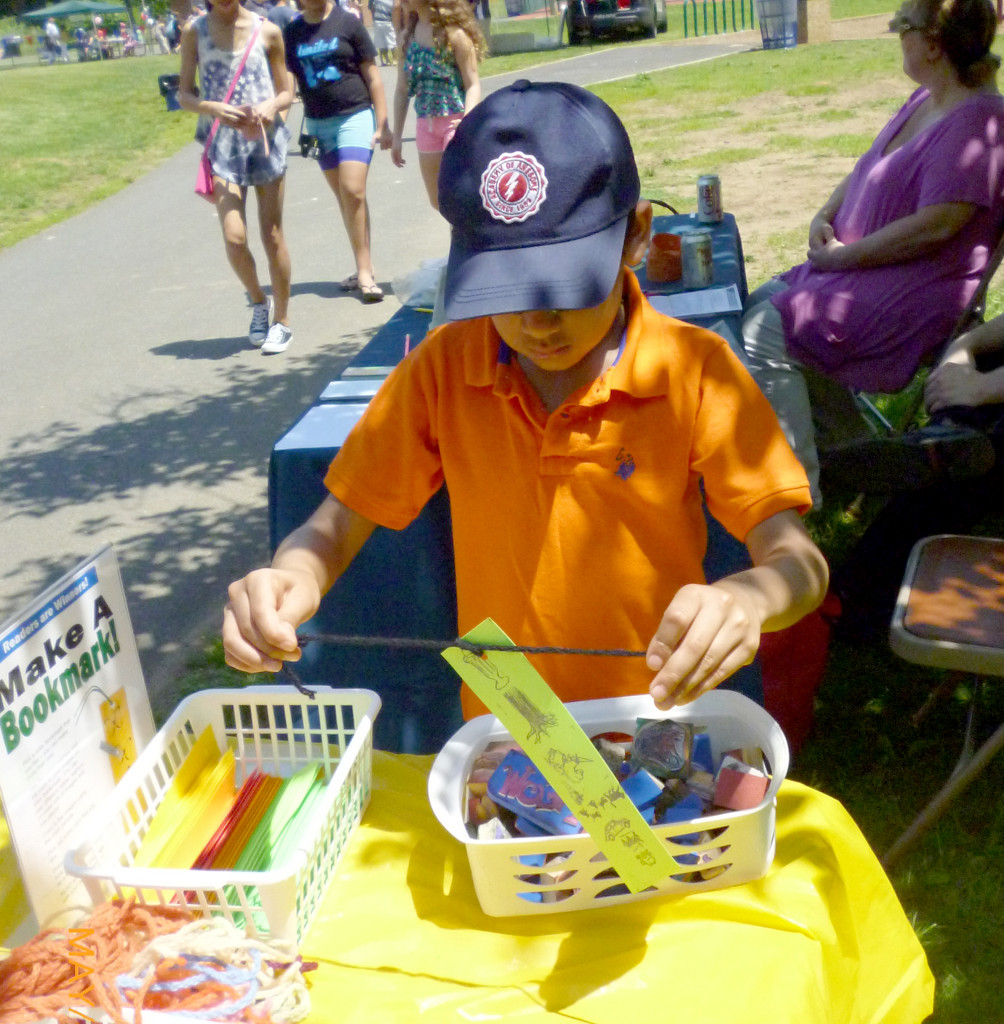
column 204, row 175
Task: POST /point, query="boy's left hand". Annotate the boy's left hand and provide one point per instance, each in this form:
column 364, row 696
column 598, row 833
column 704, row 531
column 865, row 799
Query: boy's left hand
column 706, row 634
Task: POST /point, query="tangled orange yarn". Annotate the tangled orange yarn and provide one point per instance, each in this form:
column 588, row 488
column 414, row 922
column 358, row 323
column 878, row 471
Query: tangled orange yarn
column 69, row 973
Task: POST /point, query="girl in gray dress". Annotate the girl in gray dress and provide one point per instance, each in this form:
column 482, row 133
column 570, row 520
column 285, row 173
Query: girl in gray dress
column 248, row 148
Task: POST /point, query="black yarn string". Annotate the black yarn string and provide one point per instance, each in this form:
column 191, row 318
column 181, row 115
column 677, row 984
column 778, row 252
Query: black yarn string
column 418, row 643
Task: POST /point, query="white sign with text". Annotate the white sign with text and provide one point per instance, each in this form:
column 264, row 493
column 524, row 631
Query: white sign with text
column 74, row 714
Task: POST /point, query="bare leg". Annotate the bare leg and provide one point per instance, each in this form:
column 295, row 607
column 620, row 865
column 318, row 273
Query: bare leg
column 270, row 220
column 230, row 201
column 428, row 164
column 348, row 182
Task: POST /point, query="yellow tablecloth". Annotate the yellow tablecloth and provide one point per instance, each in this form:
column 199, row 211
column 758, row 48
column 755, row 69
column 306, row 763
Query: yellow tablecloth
column 821, row 939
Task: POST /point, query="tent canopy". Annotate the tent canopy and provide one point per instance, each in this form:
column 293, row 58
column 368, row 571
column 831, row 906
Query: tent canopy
column 68, row 8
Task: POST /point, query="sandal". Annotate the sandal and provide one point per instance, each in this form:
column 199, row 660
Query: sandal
column 350, row 284
column 371, row 292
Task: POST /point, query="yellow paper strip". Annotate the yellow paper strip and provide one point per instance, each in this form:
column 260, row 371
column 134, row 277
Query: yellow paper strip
column 554, row 741
column 204, row 753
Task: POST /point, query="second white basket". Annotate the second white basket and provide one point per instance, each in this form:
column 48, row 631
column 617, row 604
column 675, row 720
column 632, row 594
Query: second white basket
column 508, row 874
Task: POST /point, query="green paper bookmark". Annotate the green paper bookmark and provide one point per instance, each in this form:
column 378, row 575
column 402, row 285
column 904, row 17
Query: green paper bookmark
column 535, row 717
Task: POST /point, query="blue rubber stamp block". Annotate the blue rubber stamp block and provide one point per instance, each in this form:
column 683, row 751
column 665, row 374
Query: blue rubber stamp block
column 701, row 756
column 518, row 785
column 687, row 809
column 643, row 788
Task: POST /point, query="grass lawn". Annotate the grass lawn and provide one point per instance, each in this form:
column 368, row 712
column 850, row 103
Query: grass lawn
column 76, row 133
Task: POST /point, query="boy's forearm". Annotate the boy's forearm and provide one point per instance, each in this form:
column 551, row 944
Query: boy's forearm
column 789, row 575
column 324, row 546
column 783, row 591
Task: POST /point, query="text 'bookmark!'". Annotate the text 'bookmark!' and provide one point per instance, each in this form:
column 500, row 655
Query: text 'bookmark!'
column 535, row 717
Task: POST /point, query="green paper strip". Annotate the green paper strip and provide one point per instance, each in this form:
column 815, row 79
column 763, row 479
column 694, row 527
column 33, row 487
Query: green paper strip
column 535, row 717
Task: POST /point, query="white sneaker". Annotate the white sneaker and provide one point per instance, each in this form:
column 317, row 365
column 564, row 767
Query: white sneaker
column 279, row 337
column 261, row 317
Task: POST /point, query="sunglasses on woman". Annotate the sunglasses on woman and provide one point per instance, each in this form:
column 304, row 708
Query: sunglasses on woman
column 902, row 22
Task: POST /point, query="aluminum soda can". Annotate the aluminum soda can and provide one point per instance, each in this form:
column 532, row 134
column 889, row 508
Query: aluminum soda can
column 709, row 199
column 696, row 259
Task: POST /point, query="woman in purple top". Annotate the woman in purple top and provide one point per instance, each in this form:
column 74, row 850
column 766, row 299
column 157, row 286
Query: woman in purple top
column 897, row 250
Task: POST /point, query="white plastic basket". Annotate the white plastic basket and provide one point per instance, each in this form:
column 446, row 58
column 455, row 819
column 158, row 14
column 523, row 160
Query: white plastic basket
column 271, row 728
column 507, row 872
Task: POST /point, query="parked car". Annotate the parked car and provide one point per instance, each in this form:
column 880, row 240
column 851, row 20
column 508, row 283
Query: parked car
column 585, row 18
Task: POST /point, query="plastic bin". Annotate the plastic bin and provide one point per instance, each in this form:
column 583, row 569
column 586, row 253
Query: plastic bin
column 778, row 23
column 169, row 86
column 507, row 872
column 271, row 728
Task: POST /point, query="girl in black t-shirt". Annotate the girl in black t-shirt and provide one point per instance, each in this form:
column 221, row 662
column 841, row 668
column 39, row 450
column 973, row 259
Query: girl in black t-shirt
column 333, row 58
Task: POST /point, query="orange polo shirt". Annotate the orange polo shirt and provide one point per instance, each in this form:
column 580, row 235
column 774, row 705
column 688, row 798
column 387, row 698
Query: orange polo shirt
column 573, row 529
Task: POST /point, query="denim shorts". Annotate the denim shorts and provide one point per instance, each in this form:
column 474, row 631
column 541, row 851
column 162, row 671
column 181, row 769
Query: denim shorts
column 343, row 138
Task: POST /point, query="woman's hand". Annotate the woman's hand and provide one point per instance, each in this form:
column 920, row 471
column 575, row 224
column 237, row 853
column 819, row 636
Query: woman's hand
column 833, row 255
column 820, row 232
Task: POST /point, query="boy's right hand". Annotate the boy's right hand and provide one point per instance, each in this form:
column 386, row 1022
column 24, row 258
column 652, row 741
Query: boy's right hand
column 261, row 617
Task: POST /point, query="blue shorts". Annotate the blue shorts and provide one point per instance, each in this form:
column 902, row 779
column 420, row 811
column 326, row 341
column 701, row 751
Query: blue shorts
column 343, row 138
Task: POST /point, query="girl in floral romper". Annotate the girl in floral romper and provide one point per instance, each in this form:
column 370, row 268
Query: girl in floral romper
column 440, row 49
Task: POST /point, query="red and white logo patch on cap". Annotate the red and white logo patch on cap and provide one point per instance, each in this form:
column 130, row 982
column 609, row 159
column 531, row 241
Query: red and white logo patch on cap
column 513, row 186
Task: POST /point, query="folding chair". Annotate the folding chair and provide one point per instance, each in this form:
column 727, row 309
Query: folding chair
column 950, row 614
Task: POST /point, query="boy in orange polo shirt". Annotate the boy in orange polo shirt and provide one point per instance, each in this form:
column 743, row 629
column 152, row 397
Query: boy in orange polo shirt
column 573, row 426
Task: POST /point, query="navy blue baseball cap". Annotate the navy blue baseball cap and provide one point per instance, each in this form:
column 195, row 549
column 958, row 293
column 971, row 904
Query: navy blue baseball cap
column 537, row 185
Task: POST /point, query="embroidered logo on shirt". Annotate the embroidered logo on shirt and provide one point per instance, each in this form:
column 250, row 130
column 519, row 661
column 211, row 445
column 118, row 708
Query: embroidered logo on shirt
column 513, row 187
column 625, row 464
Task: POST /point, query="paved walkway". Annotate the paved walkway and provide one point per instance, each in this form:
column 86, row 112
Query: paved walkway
column 134, row 412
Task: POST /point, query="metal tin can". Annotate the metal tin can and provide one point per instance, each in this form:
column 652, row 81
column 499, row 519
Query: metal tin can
column 709, row 199
column 696, row 259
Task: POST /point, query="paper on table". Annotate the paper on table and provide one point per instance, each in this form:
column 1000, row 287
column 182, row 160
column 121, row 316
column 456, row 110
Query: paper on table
column 555, row 742
column 703, row 302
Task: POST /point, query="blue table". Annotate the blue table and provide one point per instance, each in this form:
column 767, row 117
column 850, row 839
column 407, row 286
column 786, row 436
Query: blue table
column 402, row 583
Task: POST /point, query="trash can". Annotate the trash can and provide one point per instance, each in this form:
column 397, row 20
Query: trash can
column 11, row 46
column 778, row 23
column 513, row 8
column 169, row 86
